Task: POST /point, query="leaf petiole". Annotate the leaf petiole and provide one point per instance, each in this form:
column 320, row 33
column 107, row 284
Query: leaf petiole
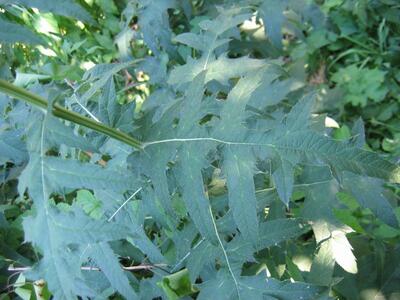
column 65, row 114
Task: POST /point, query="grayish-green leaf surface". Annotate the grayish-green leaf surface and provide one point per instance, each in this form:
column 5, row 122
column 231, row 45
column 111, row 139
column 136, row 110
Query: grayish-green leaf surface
column 369, row 192
column 68, row 8
column 237, row 181
column 14, row 33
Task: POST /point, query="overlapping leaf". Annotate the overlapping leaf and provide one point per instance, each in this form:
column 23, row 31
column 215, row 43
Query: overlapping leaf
column 222, row 119
column 68, row 8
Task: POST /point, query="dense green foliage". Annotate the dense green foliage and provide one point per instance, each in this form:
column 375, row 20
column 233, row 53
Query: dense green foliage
column 173, row 149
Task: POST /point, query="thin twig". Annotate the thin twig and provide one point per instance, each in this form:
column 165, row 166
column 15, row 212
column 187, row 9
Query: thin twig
column 144, row 267
column 133, row 85
column 131, row 268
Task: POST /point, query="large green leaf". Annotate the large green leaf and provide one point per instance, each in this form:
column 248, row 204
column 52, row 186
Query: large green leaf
column 108, row 262
column 52, row 230
column 369, row 192
column 68, row 8
column 11, row 147
column 153, row 21
column 195, row 198
column 239, row 166
column 15, row 33
column 230, row 159
column 256, row 287
column 221, row 69
column 328, row 231
column 339, row 156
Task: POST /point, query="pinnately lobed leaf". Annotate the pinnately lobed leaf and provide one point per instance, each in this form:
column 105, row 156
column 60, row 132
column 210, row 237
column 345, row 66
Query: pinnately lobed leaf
column 211, row 186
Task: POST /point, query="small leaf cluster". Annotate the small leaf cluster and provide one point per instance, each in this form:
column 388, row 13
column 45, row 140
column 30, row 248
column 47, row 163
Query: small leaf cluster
column 353, row 55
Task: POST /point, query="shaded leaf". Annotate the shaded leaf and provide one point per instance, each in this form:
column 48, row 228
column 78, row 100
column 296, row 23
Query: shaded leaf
column 369, row 192
column 15, row 33
column 68, row 8
column 109, row 264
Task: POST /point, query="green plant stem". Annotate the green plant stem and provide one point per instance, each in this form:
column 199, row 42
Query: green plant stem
column 350, row 39
column 65, row 114
column 22, row 94
column 348, row 52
